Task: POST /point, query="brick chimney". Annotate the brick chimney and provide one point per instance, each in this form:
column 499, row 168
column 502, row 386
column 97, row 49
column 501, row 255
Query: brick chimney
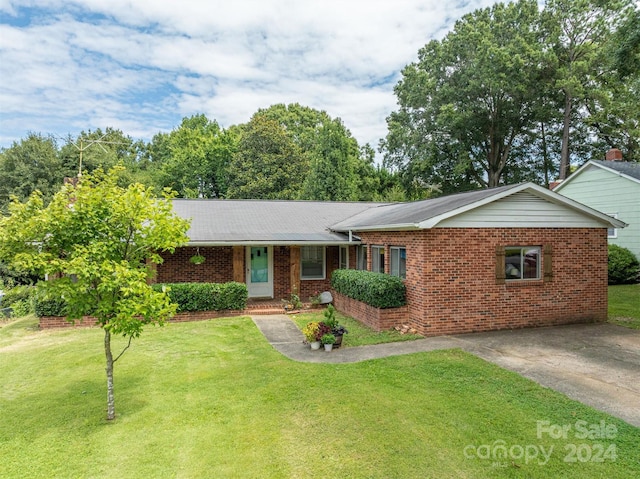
column 613, row 155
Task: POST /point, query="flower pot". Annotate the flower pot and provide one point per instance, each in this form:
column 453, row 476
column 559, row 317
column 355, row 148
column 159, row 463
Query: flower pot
column 328, row 347
column 315, row 345
column 338, row 341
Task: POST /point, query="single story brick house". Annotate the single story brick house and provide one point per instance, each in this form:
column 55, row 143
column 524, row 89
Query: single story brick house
column 507, row 257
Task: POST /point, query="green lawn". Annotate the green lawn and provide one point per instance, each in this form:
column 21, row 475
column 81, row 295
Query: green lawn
column 624, row 305
column 214, row 399
column 358, row 335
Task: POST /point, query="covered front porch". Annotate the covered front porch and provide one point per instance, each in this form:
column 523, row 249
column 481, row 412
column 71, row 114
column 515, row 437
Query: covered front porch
column 270, row 271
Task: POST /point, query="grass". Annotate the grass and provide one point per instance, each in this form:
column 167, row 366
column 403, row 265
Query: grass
column 214, row 399
column 359, row 334
column 624, row 305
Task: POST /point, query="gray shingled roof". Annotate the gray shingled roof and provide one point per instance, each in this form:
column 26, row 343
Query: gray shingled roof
column 408, row 215
column 625, row 167
column 265, row 221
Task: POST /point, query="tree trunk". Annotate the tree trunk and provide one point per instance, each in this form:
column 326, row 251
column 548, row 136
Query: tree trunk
column 111, row 406
column 564, row 156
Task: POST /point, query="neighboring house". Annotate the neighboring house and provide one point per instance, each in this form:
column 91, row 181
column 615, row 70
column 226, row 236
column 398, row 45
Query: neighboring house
column 508, row 257
column 613, row 187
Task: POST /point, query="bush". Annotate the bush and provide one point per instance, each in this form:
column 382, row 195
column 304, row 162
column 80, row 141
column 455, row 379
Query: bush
column 207, row 296
column 375, row 289
column 50, row 307
column 624, row 267
column 20, row 299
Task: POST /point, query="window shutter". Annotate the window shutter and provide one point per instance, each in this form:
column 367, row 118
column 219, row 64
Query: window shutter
column 500, row 267
column 547, row 262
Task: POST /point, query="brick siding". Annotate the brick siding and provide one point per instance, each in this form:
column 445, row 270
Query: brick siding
column 451, row 278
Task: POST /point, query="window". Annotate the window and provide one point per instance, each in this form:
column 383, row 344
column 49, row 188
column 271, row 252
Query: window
column 361, row 257
column 522, row 262
column 344, row 257
column 612, row 232
column 312, row 262
column 377, row 259
column 399, row 261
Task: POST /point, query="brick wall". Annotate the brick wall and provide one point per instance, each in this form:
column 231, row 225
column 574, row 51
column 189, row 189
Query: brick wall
column 376, row 318
column 217, row 268
column 451, row 278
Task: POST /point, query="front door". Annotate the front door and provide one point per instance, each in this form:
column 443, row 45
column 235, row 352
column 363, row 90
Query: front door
column 260, row 271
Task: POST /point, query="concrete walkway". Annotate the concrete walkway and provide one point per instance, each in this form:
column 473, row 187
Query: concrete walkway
column 596, row 364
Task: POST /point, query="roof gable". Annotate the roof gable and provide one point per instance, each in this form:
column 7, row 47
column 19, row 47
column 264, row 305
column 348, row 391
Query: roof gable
column 441, row 211
column 626, row 169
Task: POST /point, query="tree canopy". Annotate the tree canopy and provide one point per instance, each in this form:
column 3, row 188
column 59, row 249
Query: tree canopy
column 513, row 93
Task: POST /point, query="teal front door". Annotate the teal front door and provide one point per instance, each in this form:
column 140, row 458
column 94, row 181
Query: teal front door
column 260, row 271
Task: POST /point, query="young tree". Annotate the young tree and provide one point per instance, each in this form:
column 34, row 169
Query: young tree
column 95, row 241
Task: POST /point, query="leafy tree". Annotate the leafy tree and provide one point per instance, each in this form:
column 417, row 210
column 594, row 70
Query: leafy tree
column 579, row 32
column 334, row 167
column 466, row 100
column 194, row 158
column 97, row 149
column 28, row 165
column 95, row 241
column 267, row 164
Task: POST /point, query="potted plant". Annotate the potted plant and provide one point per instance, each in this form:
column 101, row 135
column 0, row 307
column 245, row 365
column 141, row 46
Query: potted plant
column 336, row 328
column 328, row 340
column 311, row 331
column 197, row 259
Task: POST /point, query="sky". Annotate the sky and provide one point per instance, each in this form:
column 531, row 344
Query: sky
column 141, row 66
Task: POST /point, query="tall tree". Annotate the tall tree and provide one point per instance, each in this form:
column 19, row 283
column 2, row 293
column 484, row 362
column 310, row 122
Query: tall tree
column 194, row 158
column 95, row 242
column 28, row 165
column 466, row 100
column 267, row 163
column 579, row 32
column 334, row 165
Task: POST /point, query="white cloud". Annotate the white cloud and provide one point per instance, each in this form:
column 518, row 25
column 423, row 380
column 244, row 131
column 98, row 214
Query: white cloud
column 142, row 65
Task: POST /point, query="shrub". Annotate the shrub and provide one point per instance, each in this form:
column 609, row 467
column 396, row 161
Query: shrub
column 624, row 267
column 20, row 299
column 375, row 289
column 207, row 296
column 50, row 306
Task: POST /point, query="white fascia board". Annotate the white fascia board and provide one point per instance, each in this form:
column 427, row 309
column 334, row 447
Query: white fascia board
column 272, row 243
column 396, row 227
column 432, row 222
column 539, row 191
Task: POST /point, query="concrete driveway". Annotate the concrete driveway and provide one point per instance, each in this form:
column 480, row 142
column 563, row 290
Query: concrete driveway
column 596, row 364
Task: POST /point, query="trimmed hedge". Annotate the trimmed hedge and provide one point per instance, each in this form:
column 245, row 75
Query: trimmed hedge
column 188, row 297
column 375, row 289
column 50, row 307
column 207, row 296
column 624, row 267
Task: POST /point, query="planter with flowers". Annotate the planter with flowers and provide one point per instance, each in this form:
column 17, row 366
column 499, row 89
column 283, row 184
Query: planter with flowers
column 336, row 328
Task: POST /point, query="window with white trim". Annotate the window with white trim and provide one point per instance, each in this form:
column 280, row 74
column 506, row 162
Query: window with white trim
column 398, row 266
column 377, row 259
column 344, row 257
column 612, row 232
column 522, row 262
column 312, row 262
